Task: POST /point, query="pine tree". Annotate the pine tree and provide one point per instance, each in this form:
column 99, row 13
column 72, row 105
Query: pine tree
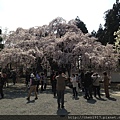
column 112, row 23
column 80, row 24
column 101, row 35
column 93, row 33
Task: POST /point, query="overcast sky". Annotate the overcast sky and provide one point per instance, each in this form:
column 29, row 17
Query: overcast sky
column 30, row 13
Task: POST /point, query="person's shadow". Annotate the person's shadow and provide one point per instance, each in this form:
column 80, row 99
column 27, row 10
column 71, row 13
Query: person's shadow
column 92, row 101
column 113, row 99
column 31, row 101
column 62, row 112
column 102, row 99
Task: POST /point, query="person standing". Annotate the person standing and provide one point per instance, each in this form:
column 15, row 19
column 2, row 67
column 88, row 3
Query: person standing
column 82, row 77
column 75, row 85
column 51, row 79
column 4, row 77
column 88, row 85
column 54, row 82
column 42, row 81
column 38, row 81
column 33, row 85
column 61, row 78
column 96, row 84
column 14, row 75
column 45, row 81
column 106, row 81
column 78, row 81
column 27, row 78
column 1, row 85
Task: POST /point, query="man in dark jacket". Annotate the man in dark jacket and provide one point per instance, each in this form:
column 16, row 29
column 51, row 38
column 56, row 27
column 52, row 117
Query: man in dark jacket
column 60, row 88
column 88, row 85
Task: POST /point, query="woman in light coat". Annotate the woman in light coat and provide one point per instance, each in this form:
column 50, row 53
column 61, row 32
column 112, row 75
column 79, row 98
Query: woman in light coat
column 75, row 85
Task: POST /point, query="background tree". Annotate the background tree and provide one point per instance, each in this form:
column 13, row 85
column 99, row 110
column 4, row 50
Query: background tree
column 93, row 33
column 101, row 35
column 80, row 24
column 1, row 40
column 117, row 45
column 112, row 18
column 117, row 42
column 112, row 23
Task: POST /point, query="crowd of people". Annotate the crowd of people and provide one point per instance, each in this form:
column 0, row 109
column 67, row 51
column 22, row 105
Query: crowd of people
column 88, row 82
column 58, row 83
column 4, row 76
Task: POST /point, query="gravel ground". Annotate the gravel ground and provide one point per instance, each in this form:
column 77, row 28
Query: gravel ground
column 15, row 103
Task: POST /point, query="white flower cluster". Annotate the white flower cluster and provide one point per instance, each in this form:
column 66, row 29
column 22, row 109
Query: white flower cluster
column 59, row 40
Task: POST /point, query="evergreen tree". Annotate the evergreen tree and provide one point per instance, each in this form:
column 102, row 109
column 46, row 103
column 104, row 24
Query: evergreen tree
column 80, row 24
column 112, row 23
column 93, row 33
column 101, row 35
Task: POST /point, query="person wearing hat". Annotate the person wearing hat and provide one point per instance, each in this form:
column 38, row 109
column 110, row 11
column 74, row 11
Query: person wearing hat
column 1, row 85
column 33, row 85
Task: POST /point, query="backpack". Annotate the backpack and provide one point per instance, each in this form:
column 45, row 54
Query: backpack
column 38, row 77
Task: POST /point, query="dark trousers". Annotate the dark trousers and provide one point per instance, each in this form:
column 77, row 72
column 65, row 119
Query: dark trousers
column 75, row 93
column 42, row 83
column 96, row 90
column 54, row 88
column 5, row 82
column 90, row 89
column 106, row 91
column 26, row 82
column 45, row 84
column 88, row 92
column 14, row 81
column 52, row 83
column 60, row 97
column 1, row 91
column 79, row 86
column 38, row 82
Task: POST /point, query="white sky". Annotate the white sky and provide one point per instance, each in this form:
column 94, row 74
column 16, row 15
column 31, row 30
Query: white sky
column 30, row 13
